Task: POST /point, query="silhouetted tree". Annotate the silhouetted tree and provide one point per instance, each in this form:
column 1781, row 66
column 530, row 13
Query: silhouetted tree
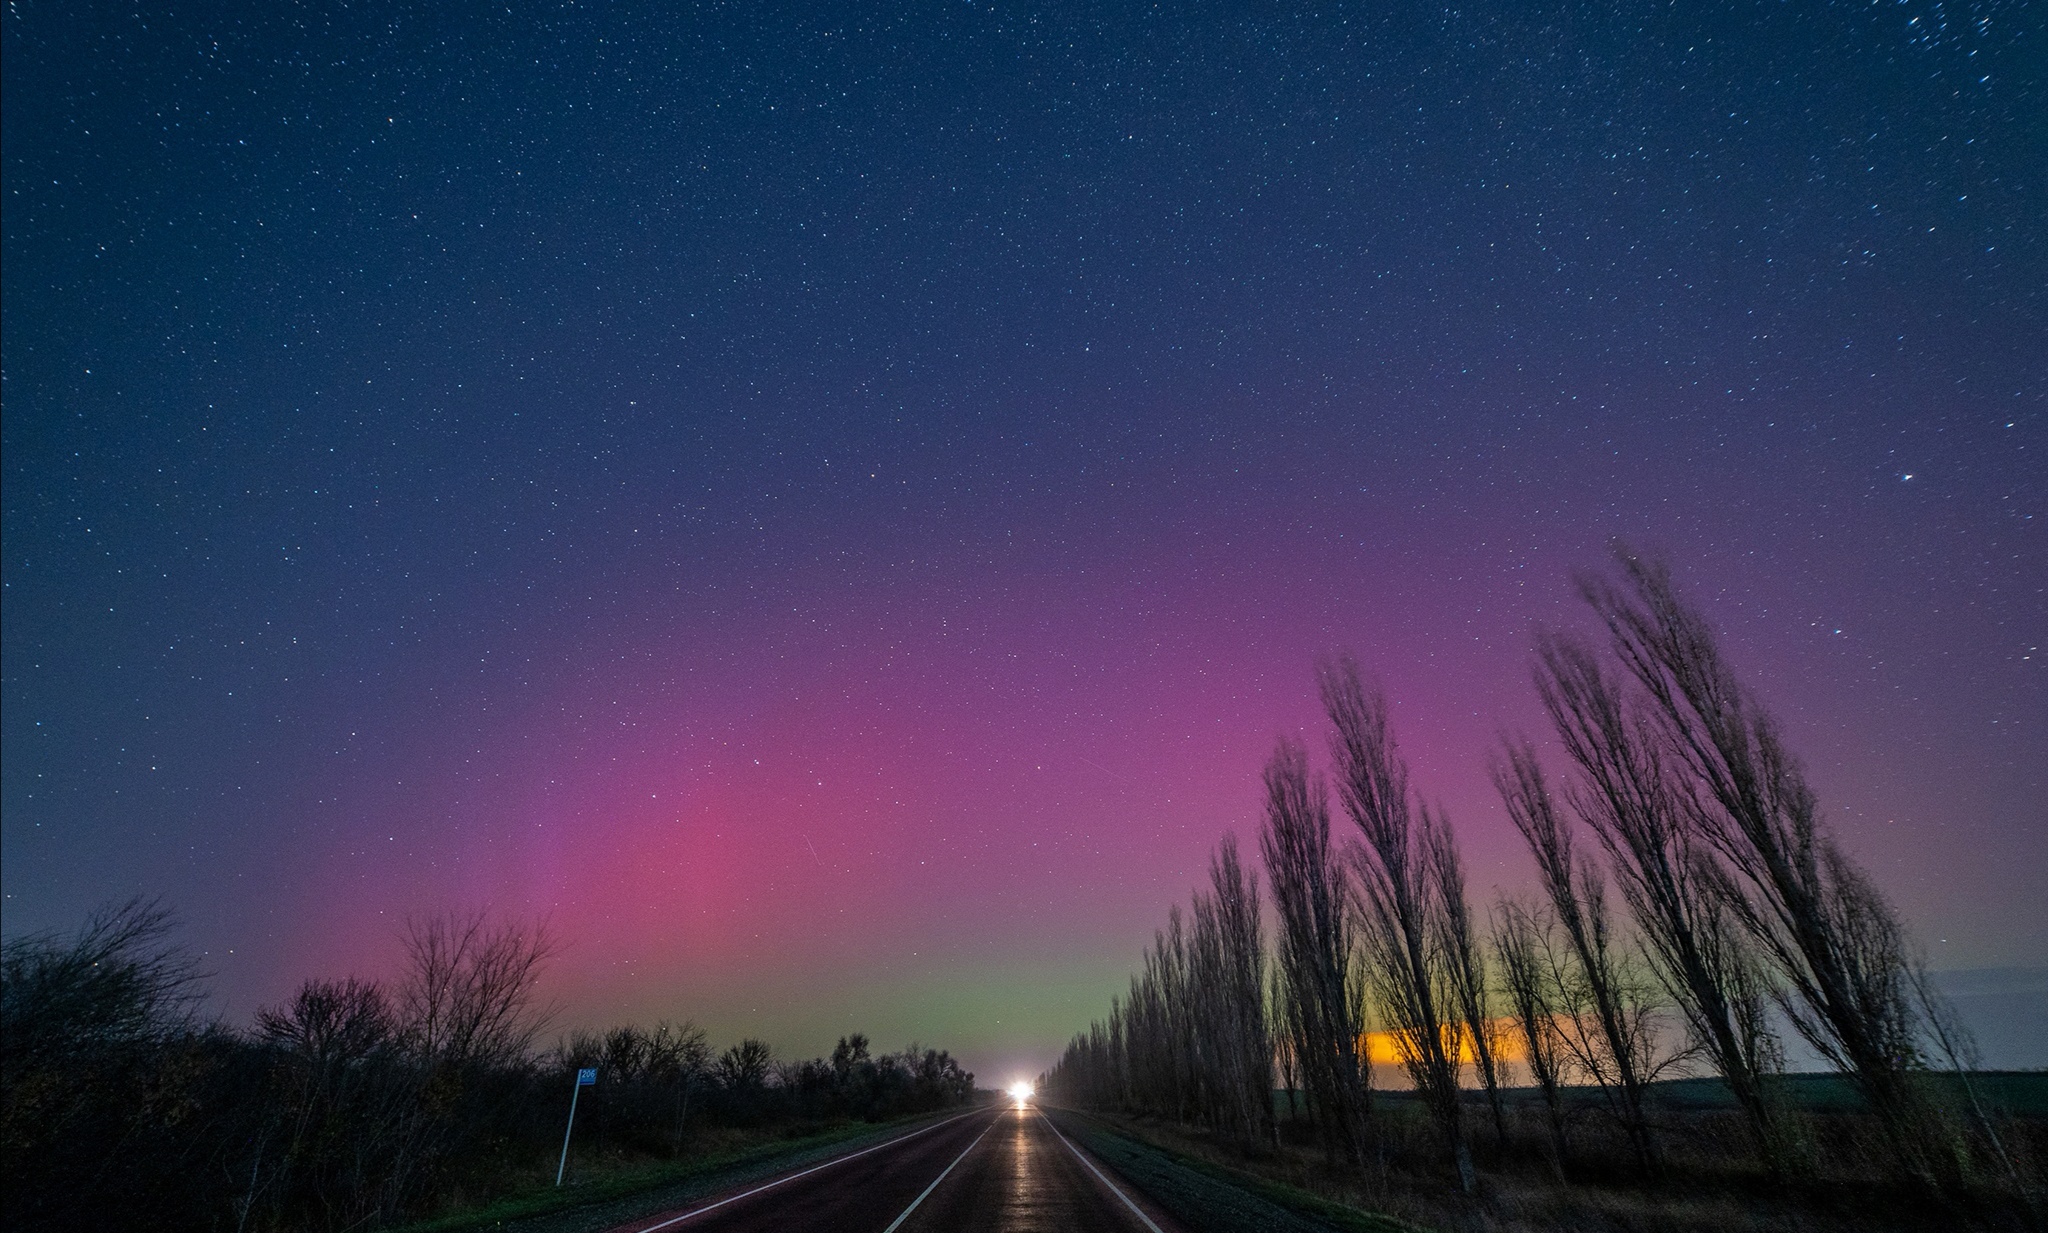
column 1836, row 941
column 1596, row 984
column 679, row 1058
column 1405, row 915
column 1679, row 895
column 100, row 1068
column 744, row 1067
column 1466, row 966
column 344, row 1107
column 468, row 994
column 345, row 1102
column 1525, row 952
column 1227, row 960
column 1313, row 953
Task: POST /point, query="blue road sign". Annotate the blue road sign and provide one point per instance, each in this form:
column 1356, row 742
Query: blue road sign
column 587, row 1077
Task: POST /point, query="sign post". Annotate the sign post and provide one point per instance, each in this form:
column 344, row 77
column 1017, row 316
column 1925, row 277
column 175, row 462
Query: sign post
column 586, row 1077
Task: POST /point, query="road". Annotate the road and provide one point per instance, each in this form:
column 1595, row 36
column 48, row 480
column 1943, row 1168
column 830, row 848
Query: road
column 1006, row 1170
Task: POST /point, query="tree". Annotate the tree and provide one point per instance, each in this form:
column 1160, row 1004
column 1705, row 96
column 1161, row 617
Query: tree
column 1313, row 953
column 1835, row 941
column 467, row 999
column 1466, row 967
column 1678, row 893
column 344, row 1106
column 100, row 1067
column 744, row 1067
column 467, row 1021
column 1621, row 1060
column 679, row 1057
column 1525, row 950
column 1406, row 915
column 1234, row 1053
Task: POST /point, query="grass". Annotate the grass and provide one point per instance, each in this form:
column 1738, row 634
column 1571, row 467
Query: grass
column 615, row 1192
column 2023, row 1092
column 1709, row 1183
column 1204, row 1194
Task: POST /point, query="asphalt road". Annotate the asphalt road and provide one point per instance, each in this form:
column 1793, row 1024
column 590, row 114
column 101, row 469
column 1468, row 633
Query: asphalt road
column 1006, row 1170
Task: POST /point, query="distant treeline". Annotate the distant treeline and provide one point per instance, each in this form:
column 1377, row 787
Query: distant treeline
column 1692, row 901
column 354, row 1105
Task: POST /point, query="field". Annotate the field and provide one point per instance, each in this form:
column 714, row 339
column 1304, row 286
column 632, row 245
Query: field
column 1708, row 1183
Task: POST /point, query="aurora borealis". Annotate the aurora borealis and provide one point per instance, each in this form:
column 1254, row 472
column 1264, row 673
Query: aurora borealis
column 834, row 513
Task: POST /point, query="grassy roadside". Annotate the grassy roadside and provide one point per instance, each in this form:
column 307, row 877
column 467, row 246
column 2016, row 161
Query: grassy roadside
column 1698, row 1192
column 1204, row 1195
column 629, row 1192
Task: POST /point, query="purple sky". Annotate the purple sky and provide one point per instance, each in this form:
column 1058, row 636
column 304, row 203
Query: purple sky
column 835, row 517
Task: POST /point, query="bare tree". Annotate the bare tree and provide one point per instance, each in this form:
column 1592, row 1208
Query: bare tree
column 96, row 1033
column 344, row 1114
column 1313, row 953
column 1577, row 896
column 1085, row 1075
column 120, row 981
column 1835, row 940
column 465, row 1012
column 1525, row 950
column 468, row 995
column 681, row 1058
column 1159, row 1042
column 1279, row 1021
column 1680, row 896
column 1227, row 990
column 343, row 1020
column 744, row 1067
column 1465, row 964
column 1404, row 909
column 1190, row 1040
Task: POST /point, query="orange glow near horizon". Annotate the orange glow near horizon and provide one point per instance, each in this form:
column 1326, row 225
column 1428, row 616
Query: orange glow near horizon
column 1387, row 1049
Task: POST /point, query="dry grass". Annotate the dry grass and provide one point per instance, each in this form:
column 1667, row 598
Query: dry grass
column 1708, row 1183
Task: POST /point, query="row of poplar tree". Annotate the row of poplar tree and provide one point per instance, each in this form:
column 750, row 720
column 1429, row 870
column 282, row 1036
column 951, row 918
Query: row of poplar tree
column 1735, row 901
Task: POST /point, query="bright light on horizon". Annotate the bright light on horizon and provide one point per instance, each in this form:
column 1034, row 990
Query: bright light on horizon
column 1020, row 1091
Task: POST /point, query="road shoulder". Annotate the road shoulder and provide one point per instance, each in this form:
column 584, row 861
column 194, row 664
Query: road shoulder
column 617, row 1201
column 1201, row 1195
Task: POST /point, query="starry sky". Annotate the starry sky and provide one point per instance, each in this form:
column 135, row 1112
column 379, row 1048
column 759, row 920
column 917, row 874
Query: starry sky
column 833, row 511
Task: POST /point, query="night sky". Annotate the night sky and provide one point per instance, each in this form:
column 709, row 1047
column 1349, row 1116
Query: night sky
column 833, row 513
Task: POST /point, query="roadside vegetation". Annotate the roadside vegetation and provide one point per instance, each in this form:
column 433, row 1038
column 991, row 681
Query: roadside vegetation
column 359, row 1106
column 1606, row 1055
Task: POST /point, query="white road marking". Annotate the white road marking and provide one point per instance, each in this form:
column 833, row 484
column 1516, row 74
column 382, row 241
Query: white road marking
column 893, row 1224
column 1113, row 1187
column 814, row 1168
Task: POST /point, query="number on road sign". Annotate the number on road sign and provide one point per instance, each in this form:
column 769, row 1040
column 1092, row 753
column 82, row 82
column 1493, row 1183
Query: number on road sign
column 586, row 1077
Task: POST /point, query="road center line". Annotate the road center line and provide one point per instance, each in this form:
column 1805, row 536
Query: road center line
column 1113, row 1187
column 893, row 1224
column 813, row 1169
